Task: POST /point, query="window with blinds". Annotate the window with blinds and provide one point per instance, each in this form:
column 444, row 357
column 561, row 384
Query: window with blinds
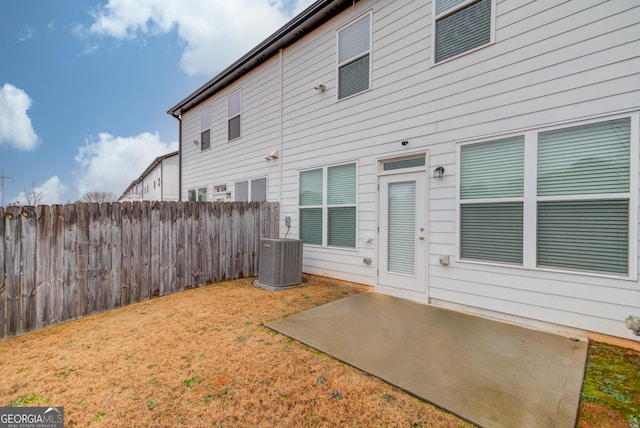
column 578, row 202
column 354, row 45
column 327, row 203
column 234, row 106
column 205, row 128
column 592, row 161
column 460, row 26
column 251, row 190
column 491, row 196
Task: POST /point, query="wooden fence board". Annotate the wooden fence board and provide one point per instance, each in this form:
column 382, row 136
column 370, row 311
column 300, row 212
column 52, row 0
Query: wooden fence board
column 94, row 255
column 115, row 292
column 55, row 315
column 154, row 258
column 69, row 263
column 126, row 248
column 104, row 269
column 178, row 237
column 82, row 258
column 145, row 251
column 29, row 304
column 43, row 265
column 12, row 270
column 3, row 293
column 188, row 242
column 61, row 263
column 136, row 252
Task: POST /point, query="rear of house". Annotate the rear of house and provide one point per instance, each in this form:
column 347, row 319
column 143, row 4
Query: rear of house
column 475, row 154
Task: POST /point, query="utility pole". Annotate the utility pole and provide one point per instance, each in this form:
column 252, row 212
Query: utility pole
column 2, row 178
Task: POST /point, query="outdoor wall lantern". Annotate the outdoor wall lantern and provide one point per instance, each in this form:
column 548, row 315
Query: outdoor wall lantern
column 438, row 172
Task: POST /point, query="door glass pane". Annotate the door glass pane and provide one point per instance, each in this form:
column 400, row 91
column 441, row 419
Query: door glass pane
column 586, row 235
column 402, row 228
column 404, row 163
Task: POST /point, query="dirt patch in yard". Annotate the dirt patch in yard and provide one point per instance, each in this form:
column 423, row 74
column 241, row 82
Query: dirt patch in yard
column 202, row 358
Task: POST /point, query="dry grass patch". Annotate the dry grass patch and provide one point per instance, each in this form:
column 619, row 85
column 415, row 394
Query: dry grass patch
column 202, row 358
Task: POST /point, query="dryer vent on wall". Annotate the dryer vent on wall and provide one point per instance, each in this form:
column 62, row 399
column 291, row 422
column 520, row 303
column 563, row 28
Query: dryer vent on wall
column 280, row 263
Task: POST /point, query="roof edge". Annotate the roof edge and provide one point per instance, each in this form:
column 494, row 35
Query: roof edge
column 315, row 15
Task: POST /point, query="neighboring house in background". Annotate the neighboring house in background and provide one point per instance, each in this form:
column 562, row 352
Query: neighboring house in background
column 159, row 182
column 480, row 155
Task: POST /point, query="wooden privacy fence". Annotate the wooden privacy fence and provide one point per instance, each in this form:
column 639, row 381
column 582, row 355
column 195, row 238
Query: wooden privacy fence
column 59, row 263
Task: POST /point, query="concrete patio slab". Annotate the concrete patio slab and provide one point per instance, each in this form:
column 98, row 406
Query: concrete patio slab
column 491, row 373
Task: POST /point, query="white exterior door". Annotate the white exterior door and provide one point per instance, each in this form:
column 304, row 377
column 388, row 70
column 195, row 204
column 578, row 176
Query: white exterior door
column 403, row 235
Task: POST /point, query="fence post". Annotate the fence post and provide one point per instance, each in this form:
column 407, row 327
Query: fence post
column 3, row 285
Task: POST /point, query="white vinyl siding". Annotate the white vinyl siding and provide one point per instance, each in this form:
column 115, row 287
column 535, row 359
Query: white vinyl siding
column 354, row 63
column 583, row 184
column 552, row 64
column 327, row 201
column 460, row 26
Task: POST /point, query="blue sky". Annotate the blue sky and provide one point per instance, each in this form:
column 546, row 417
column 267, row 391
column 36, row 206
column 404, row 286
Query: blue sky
column 85, row 85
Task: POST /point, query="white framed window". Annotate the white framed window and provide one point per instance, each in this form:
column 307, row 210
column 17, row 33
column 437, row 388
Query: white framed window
column 191, row 195
column 327, row 200
column 461, row 26
column 557, row 198
column 234, row 108
column 205, row 129
column 354, row 57
column 202, row 194
column 254, row 190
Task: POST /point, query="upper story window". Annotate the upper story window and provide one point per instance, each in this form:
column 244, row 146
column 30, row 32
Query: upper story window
column 354, row 48
column 234, row 107
column 461, row 25
column 558, row 198
column 205, row 128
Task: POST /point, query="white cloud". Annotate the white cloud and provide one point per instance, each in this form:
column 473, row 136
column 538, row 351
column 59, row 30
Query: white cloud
column 26, row 33
column 111, row 163
column 15, row 124
column 215, row 32
column 50, row 192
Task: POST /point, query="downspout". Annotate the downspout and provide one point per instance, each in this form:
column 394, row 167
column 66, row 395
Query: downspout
column 281, row 125
column 179, row 117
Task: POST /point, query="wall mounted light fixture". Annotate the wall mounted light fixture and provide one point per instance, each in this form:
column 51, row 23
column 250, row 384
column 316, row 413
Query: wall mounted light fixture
column 196, row 142
column 320, row 88
column 273, row 155
column 438, row 172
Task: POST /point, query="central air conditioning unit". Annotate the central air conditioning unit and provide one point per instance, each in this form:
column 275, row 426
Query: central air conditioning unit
column 280, row 263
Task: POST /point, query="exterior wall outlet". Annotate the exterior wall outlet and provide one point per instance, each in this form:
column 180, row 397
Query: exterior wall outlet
column 367, row 261
column 444, row 260
column 287, row 221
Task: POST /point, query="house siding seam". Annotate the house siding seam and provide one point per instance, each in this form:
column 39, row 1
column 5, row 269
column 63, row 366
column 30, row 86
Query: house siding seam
column 550, row 63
